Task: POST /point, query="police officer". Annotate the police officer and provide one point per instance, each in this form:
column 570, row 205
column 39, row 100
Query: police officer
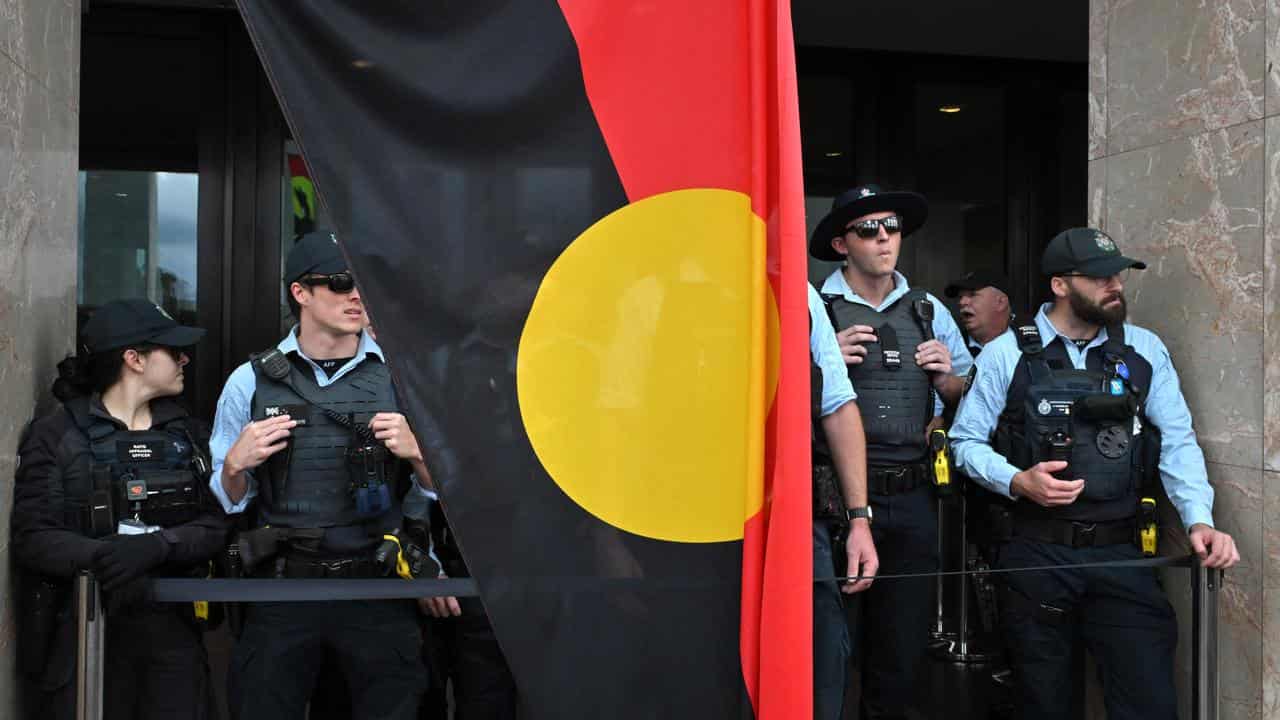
column 1076, row 418
column 308, row 438
column 839, row 482
column 903, row 351
column 114, row 481
column 985, row 309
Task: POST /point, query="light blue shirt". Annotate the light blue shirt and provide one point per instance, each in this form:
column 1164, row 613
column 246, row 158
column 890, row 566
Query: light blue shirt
column 233, row 411
column 944, row 326
column 1181, row 462
column 836, row 388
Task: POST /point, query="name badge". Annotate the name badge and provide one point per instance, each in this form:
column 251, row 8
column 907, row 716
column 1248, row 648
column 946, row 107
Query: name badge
column 127, row 451
column 299, row 413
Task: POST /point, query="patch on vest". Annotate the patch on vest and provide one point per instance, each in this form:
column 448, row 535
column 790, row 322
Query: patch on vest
column 1112, row 442
column 298, row 413
column 968, row 379
column 1060, row 408
column 139, row 451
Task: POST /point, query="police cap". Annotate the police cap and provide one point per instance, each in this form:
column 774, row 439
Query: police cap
column 134, row 321
column 978, row 279
column 315, row 253
column 1085, row 251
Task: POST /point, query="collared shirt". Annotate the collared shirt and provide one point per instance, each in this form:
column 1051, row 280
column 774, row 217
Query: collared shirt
column 1182, row 465
column 233, row 411
column 944, row 326
column 976, row 348
column 836, row 388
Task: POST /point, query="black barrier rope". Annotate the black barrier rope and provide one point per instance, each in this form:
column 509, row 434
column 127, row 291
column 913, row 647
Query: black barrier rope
column 1186, row 561
column 301, row 590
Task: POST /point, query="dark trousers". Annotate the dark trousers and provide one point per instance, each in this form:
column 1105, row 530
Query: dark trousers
column 1121, row 615
column 831, row 647
column 893, row 616
column 155, row 667
column 464, row 651
column 376, row 644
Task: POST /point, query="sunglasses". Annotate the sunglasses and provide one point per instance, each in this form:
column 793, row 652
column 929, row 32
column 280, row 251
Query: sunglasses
column 174, row 352
column 867, row 229
column 340, row 282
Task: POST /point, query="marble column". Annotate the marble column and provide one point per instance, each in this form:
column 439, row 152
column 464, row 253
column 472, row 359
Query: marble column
column 39, row 128
column 1183, row 173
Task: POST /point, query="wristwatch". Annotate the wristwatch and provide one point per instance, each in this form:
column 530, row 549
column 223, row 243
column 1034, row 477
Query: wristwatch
column 859, row 512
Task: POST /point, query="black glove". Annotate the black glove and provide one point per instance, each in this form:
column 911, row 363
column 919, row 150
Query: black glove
column 128, row 596
column 128, row 557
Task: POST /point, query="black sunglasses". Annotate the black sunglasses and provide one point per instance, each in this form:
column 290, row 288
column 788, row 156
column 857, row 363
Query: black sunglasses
column 174, row 352
column 339, row 282
column 867, row 229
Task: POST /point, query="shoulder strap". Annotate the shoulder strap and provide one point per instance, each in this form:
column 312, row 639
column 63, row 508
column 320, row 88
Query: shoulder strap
column 922, row 309
column 827, row 300
column 1033, row 352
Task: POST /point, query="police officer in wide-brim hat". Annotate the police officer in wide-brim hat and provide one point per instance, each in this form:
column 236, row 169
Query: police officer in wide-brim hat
column 1078, row 418
column 123, row 455
column 910, row 207
column 905, row 355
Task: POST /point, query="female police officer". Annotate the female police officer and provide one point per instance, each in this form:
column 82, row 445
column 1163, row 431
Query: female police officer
column 114, row 481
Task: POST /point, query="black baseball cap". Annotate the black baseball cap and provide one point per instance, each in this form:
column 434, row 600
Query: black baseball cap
column 1085, row 251
column 315, row 253
column 978, row 279
column 121, row 323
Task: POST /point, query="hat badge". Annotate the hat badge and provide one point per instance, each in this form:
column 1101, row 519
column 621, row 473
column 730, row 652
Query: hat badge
column 865, row 192
column 1104, row 243
column 165, row 314
column 334, row 238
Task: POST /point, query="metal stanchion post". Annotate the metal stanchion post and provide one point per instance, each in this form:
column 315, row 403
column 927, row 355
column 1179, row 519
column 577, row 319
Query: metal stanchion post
column 90, row 641
column 938, row 633
column 1205, row 583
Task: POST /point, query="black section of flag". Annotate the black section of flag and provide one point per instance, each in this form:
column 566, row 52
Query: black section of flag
column 455, row 150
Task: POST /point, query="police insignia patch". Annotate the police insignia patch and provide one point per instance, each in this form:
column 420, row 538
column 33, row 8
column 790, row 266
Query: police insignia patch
column 1105, row 243
column 968, row 379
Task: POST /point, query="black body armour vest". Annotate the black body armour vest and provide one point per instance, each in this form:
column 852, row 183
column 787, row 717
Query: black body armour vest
column 1091, row 418
column 895, row 395
column 152, row 476
column 311, row 484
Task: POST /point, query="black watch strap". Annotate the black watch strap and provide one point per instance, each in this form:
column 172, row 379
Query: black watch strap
column 852, row 514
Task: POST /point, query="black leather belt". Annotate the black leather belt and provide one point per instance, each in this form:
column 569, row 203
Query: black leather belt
column 897, row 480
column 301, row 567
column 1075, row 534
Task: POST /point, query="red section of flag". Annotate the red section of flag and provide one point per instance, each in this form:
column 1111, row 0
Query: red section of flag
column 703, row 95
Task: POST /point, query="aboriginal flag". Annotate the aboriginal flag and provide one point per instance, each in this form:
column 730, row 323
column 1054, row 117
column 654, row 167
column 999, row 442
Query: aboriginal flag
column 578, row 230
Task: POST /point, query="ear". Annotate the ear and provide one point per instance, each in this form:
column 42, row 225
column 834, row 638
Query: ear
column 839, row 245
column 301, row 293
column 1059, row 287
column 134, row 360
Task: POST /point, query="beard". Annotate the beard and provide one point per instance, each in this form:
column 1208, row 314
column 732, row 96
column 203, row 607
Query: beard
column 1095, row 313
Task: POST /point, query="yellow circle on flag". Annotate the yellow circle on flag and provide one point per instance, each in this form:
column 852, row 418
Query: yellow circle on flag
column 642, row 372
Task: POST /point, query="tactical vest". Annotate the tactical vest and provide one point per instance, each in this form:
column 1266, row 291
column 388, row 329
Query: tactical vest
column 312, row 483
column 895, row 396
column 150, row 476
column 1091, row 418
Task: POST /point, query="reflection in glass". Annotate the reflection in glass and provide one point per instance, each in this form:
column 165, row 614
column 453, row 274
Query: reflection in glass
column 138, row 239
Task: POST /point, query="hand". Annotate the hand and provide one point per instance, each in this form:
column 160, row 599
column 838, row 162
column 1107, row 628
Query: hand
column 934, row 357
column 128, row 596
column 934, row 424
column 393, row 430
column 440, row 607
column 1038, row 485
column 128, row 557
column 853, row 341
column 258, row 441
column 861, row 552
column 1215, row 548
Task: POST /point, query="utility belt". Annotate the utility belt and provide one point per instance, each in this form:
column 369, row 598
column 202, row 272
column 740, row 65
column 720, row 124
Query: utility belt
column 898, row 480
column 300, row 566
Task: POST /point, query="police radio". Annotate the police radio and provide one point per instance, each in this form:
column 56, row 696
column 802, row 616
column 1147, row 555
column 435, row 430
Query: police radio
column 1057, row 446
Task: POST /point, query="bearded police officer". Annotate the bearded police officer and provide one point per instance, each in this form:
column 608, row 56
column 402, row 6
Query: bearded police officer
column 903, row 352
column 1076, row 418
column 309, row 441
column 115, row 481
column 839, row 482
column 985, row 309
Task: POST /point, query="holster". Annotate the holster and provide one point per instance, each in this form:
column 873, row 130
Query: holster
column 828, row 501
column 264, row 544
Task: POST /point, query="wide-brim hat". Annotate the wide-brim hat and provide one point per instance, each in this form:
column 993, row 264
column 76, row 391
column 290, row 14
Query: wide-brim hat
column 863, row 200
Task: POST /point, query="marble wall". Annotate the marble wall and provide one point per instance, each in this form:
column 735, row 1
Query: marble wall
column 39, row 128
column 1184, row 171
